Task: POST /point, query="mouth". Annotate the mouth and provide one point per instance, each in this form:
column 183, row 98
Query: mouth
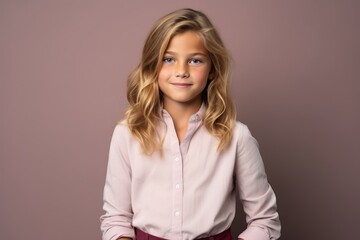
column 182, row 85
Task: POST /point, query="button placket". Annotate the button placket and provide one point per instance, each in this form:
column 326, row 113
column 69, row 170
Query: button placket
column 177, row 178
column 178, row 153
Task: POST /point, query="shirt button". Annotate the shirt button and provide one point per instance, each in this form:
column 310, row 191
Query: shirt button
column 177, row 213
column 177, row 159
column 177, row 186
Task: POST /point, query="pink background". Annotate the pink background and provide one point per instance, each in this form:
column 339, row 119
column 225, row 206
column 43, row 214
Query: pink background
column 63, row 69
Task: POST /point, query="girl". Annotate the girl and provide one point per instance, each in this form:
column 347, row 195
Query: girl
column 176, row 159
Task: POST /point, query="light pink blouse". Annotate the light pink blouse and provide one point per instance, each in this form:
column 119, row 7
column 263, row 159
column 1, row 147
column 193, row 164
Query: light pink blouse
column 189, row 192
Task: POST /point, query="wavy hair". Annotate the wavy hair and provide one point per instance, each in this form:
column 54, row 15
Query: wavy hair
column 144, row 96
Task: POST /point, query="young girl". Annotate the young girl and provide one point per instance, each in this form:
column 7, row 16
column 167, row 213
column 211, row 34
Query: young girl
column 176, row 159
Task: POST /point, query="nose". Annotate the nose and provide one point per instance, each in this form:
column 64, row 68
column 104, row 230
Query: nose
column 182, row 71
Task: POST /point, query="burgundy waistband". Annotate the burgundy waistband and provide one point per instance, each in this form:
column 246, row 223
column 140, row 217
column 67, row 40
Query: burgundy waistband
column 225, row 235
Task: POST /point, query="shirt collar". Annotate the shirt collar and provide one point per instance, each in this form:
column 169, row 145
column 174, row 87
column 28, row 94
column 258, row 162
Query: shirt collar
column 198, row 116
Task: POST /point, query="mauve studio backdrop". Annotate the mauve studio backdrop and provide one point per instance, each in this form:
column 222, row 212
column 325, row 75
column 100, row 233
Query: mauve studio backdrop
column 63, row 70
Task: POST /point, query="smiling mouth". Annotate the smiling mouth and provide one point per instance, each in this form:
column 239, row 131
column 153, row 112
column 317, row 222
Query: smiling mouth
column 181, row 85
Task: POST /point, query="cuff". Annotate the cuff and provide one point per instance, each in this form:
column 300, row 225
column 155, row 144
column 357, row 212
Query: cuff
column 254, row 233
column 113, row 234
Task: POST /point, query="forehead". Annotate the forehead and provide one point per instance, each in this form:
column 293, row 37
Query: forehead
column 188, row 41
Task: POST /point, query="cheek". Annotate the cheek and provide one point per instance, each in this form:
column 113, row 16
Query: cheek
column 164, row 74
column 202, row 75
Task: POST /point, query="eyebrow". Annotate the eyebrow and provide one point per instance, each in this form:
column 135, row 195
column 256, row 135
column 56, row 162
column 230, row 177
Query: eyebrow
column 190, row 55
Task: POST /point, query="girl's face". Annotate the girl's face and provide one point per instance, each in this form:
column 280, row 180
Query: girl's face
column 185, row 70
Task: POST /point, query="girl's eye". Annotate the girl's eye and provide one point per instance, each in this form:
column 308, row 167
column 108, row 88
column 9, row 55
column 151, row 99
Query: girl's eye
column 195, row 61
column 168, row 59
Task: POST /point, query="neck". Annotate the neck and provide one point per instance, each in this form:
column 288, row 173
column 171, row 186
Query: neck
column 180, row 114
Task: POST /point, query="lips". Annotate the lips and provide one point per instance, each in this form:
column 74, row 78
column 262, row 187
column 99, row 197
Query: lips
column 181, row 85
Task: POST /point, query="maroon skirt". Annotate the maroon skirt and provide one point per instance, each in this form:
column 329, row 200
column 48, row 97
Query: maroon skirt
column 225, row 235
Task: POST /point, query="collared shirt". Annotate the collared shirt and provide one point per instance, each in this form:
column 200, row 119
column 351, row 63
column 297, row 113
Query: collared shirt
column 188, row 192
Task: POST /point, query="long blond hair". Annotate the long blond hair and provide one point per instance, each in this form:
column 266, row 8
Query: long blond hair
column 144, row 96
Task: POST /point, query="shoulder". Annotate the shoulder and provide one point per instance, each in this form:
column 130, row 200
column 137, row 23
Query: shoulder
column 121, row 126
column 241, row 130
column 242, row 135
column 122, row 140
column 121, row 131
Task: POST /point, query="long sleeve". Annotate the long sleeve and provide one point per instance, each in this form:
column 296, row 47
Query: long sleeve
column 257, row 196
column 117, row 220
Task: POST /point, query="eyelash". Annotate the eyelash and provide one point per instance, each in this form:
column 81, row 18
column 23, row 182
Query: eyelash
column 168, row 59
column 194, row 60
